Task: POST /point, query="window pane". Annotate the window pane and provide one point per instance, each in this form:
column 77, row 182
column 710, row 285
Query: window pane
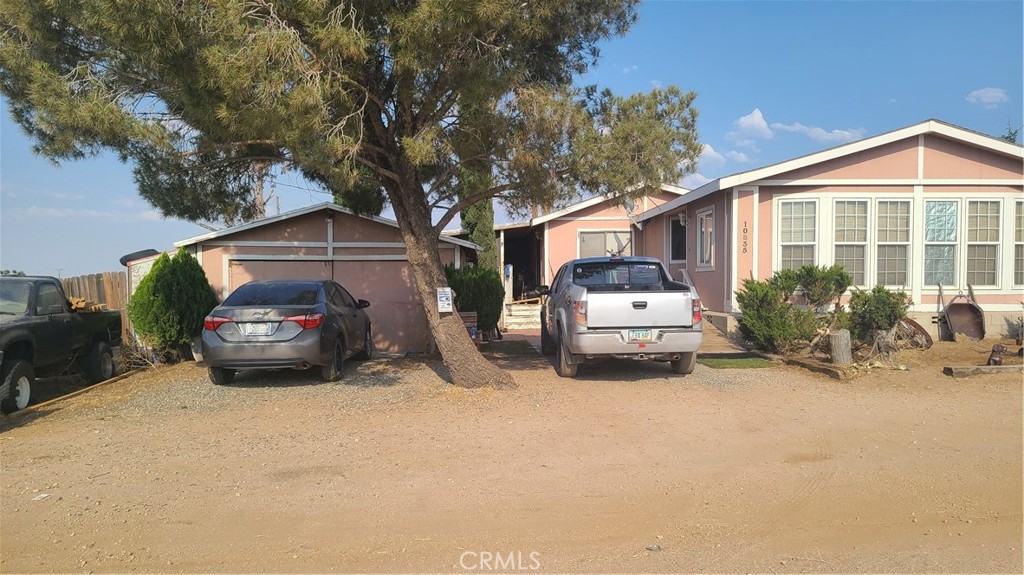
column 851, row 221
column 940, row 221
column 1018, row 264
column 939, row 265
column 893, row 222
column 795, row 256
column 592, row 244
column 983, row 221
column 275, row 293
column 706, row 242
column 852, row 259
column 981, row 265
column 678, row 240
column 798, row 221
column 1018, row 227
column 892, row 265
column 618, row 244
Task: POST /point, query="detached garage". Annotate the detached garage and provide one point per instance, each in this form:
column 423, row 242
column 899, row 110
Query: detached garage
column 365, row 254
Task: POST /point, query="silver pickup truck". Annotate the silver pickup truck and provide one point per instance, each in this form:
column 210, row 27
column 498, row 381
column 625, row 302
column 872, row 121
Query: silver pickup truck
column 621, row 307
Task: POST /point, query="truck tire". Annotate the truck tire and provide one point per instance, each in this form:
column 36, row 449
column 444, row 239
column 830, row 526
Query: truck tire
column 547, row 347
column 562, row 365
column 16, row 385
column 685, row 363
column 99, row 365
column 221, row 375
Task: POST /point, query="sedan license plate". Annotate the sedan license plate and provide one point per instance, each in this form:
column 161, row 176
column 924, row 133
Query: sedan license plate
column 262, row 328
column 639, row 335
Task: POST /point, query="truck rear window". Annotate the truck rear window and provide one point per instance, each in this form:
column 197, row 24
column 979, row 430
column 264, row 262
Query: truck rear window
column 277, row 293
column 619, row 276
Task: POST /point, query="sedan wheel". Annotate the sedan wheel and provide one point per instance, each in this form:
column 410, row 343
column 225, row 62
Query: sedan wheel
column 221, row 376
column 367, row 351
column 332, row 371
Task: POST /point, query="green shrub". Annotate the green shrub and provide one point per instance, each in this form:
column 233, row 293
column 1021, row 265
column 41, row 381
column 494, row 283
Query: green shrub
column 822, row 286
column 769, row 321
column 168, row 307
column 477, row 289
column 879, row 308
column 786, row 281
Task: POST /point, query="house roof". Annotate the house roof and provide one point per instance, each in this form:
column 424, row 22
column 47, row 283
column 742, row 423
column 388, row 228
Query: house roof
column 301, row 212
column 926, row 127
column 594, row 201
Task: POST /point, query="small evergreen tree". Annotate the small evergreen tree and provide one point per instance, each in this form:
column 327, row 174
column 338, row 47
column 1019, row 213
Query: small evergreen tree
column 878, row 309
column 480, row 290
column 769, row 321
column 170, row 303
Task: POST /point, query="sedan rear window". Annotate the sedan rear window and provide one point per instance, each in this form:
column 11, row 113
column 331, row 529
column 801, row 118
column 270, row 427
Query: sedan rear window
column 284, row 293
column 618, row 276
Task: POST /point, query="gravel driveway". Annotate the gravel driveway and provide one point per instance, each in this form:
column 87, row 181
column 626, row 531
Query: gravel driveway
column 628, row 468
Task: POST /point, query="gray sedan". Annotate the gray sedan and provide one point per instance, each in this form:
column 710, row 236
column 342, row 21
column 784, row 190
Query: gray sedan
column 280, row 324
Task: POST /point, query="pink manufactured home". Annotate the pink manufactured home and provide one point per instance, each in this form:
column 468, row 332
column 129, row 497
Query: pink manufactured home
column 911, row 209
column 366, row 254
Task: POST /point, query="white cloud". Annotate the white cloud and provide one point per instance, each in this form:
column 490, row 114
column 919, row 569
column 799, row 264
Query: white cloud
column 709, row 157
column 988, row 97
column 893, row 100
column 655, row 84
column 149, row 216
column 750, row 127
column 821, row 135
column 737, row 156
column 694, row 181
column 629, row 69
column 64, row 196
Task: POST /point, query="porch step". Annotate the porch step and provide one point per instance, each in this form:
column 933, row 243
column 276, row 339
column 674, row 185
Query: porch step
column 522, row 316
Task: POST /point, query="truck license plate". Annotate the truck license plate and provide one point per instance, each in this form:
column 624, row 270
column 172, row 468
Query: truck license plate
column 257, row 328
column 639, row 335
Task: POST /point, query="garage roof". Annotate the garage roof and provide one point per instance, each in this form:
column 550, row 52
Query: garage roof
column 301, row 212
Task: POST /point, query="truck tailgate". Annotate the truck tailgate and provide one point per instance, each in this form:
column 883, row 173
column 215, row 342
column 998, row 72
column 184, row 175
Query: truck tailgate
column 639, row 309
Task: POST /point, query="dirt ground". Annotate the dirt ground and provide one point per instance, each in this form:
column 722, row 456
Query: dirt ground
column 626, row 469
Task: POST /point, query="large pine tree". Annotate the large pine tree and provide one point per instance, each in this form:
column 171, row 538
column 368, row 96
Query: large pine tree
column 408, row 97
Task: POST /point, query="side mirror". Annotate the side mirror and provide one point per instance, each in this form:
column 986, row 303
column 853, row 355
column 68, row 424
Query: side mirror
column 362, row 303
column 543, row 290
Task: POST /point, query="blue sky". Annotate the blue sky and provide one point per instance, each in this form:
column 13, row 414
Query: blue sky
column 775, row 80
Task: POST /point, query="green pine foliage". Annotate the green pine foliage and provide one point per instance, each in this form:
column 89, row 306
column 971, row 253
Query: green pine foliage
column 823, row 286
column 478, row 219
column 878, row 309
column 168, row 307
column 477, row 289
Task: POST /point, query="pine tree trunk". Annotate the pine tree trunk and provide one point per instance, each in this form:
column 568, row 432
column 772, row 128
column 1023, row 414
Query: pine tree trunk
column 466, row 366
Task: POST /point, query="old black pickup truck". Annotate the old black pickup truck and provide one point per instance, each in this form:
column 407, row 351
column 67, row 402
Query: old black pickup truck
column 41, row 335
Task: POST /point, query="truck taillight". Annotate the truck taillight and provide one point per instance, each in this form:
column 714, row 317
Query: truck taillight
column 212, row 322
column 308, row 321
column 579, row 312
column 697, row 314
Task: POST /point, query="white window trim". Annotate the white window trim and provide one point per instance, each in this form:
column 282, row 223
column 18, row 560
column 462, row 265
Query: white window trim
column 998, row 243
column 867, row 243
column 708, row 212
column 873, row 222
column 668, row 240
column 1018, row 205
column 818, row 228
column 627, row 231
column 958, row 244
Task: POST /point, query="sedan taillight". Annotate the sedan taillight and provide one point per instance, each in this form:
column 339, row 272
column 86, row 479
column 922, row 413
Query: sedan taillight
column 308, row 321
column 212, row 322
column 698, row 315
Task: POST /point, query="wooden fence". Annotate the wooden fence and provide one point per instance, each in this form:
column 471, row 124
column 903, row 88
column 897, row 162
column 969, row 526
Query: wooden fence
column 108, row 288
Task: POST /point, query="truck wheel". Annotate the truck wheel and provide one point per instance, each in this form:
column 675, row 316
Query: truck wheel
column 16, row 385
column 332, row 371
column 685, row 363
column 547, row 347
column 221, row 375
column 99, row 366
column 562, row 365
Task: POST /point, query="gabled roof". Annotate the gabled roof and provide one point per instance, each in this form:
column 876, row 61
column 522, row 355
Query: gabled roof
column 939, row 127
column 594, row 201
column 301, row 212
